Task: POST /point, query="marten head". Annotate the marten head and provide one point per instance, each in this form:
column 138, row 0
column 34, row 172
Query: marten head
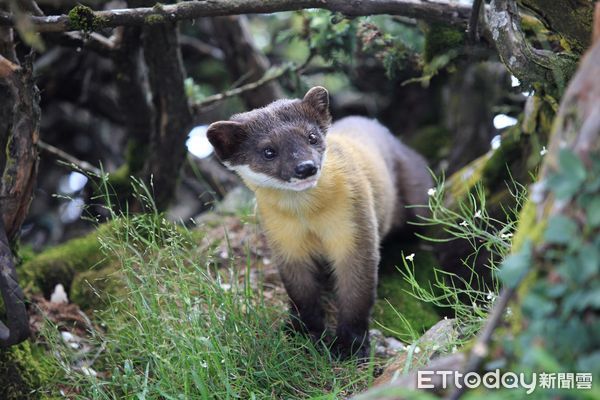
column 279, row 146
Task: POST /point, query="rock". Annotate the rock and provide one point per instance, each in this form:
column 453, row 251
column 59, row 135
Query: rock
column 397, row 389
column 438, row 339
column 59, row 296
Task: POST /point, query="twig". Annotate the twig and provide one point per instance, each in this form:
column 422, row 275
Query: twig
column 438, row 11
column 271, row 75
column 55, row 151
column 201, row 47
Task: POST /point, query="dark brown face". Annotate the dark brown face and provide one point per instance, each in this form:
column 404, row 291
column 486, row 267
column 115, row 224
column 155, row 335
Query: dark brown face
column 279, row 146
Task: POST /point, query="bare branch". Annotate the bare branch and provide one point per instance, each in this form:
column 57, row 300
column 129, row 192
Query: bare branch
column 201, row 47
column 272, row 74
column 62, row 155
column 243, row 58
column 438, row 11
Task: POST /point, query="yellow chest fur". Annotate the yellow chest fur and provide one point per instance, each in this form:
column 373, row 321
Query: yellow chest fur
column 321, row 221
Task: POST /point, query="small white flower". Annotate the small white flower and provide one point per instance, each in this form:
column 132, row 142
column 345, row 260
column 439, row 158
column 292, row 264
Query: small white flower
column 446, row 318
column 203, row 364
column 417, row 350
column 432, row 192
column 88, row 371
column 490, row 295
column 478, row 214
column 225, row 286
column 464, row 223
column 506, row 235
column 410, row 257
column 543, row 151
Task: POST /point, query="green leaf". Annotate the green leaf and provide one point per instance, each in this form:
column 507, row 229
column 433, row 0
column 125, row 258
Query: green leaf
column 571, row 165
column 514, row 268
column 593, row 212
column 560, row 230
column 568, row 180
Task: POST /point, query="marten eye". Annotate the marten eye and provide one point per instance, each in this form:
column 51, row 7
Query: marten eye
column 269, row 153
column 312, row 138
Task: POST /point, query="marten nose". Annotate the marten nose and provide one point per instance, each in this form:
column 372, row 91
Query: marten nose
column 305, row 169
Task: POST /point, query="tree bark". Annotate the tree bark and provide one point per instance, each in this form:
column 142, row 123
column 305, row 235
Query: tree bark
column 86, row 19
column 19, row 131
column 173, row 118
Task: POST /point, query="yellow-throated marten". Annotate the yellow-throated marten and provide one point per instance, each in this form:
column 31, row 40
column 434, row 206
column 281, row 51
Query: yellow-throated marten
column 326, row 196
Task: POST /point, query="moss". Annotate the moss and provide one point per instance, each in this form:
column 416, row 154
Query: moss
column 395, row 291
column 82, row 18
column 136, row 156
column 61, row 263
column 26, row 372
column 92, row 289
column 440, row 38
column 433, row 142
column 394, row 298
column 154, row 19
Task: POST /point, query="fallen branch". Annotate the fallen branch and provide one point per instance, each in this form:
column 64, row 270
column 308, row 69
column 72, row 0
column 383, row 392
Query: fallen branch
column 84, row 18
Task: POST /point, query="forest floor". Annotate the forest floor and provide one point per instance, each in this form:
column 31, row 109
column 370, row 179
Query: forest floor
column 196, row 313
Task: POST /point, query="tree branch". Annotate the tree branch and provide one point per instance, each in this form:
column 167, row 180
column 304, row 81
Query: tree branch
column 58, row 153
column 522, row 60
column 438, row 11
column 243, row 59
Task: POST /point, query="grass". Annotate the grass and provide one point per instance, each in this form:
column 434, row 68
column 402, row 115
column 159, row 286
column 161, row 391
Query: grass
column 469, row 296
column 187, row 329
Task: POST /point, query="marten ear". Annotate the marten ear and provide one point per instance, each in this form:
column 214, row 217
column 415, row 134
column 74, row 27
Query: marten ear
column 318, row 99
column 226, row 138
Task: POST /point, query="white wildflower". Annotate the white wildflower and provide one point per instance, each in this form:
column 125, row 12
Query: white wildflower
column 490, row 295
column 410, row 257
column 203, row 364
column 417, row 350
column 478, row 214
column 225, row 286
column 543, row 151
column 506, row 235
column 88, row 371
column 432, row 192
column 464, row 223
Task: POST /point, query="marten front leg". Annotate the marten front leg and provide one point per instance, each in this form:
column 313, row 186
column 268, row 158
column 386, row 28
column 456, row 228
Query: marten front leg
column 356, row 286
column 300, row 279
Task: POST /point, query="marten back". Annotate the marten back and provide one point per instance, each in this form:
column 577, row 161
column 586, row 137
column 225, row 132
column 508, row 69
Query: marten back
column 410, row 176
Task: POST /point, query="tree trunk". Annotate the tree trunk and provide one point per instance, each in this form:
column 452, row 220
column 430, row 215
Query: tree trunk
column 19, row 130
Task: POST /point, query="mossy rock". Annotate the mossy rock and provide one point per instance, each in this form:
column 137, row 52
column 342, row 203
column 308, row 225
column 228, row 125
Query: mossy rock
column 60, row 264
column 91, row 290
column 26, row 372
